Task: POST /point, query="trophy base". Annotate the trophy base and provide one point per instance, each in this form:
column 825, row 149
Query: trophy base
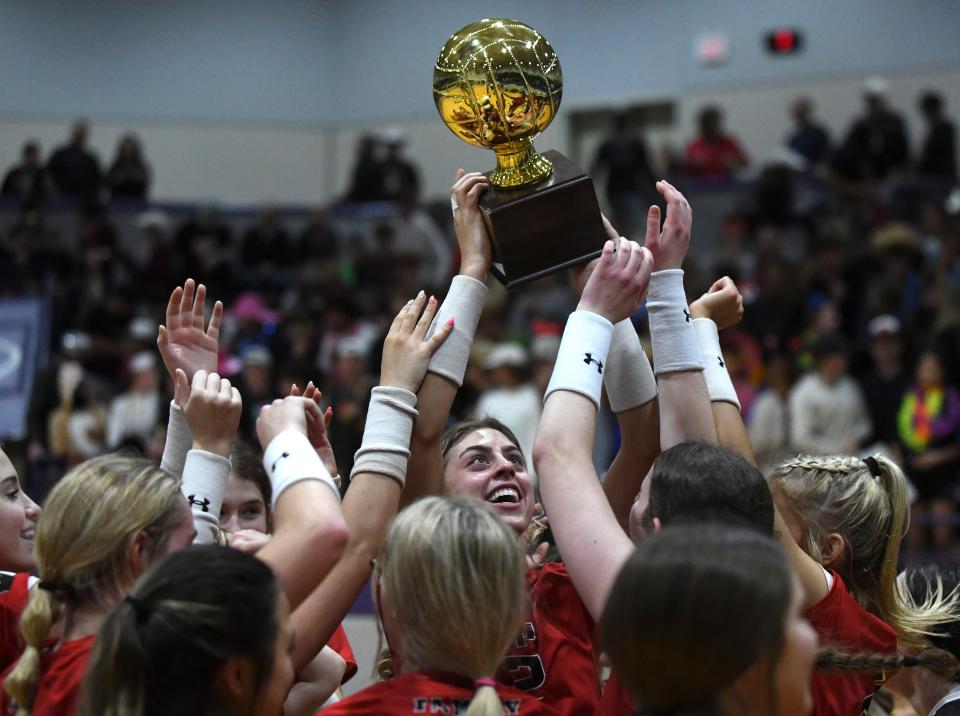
column 543, row 228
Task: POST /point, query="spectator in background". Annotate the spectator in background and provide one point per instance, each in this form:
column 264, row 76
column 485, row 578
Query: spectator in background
column 713, row 154
column 265, row 250
column 318, row 240
column 417, row 238
column 348, row 391
column 623, row 156
column 929, row 422
column 129, row 175
column 511, row 398
column 938, row 155
column 400, row 180
column 367, row 181
column 827, row 412
column 134, row 415
column 769, row 422
column 204, row 244
column 26, row 181
column 886, row 381
column 809, row 138
column 256, row 385
column 876, row 145
column 74, row 170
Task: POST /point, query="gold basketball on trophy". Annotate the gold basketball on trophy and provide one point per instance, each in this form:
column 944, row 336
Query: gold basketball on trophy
column 497, row 84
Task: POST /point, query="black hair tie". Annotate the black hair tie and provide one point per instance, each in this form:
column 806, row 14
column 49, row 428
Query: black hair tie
column 872, row 465
column 910, row 660
column 140, row 610
column 64, row 591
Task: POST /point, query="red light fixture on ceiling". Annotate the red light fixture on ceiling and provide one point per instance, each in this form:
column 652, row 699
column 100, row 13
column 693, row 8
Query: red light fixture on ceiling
column 784, row 41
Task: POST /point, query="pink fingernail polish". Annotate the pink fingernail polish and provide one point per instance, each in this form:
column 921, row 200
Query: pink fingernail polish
column 450, row 322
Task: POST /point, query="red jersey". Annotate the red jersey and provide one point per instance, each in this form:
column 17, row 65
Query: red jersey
column 338, row 642
column 840, row 622
column 12, row 603
column 552, row 658
column 420, row 693
column 616, row 700
column 59, row 689
column 714, row 159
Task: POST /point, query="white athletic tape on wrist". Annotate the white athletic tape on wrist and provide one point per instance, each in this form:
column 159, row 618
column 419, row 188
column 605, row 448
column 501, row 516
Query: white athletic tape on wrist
column 464, row 304
column 719, row 385
column 582, row 357
column 289, row 459
column 675, row 345
column 205, row 477
column 628, row 377
column 178, row 443
column 385, row 449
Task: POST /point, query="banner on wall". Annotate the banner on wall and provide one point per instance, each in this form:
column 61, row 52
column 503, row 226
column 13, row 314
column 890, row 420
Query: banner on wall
column 24, row 339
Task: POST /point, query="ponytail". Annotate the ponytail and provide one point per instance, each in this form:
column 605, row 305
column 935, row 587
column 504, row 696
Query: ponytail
column 486, row 700
column 36, row 624
column 941, row 662
column 116, row 682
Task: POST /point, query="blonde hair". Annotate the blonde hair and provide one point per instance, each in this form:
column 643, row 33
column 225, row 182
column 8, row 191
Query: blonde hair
column 454, row 574
column 83, row 549
column 840, row 494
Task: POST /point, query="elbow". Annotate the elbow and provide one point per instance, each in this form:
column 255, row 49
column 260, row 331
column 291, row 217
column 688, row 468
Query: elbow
column 330, row 536
column 546, row 453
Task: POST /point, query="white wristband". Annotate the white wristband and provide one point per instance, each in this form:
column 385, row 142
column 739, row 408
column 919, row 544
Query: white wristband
column 464, row 304
column 178, row 443
column 385, row 449
column 719, row 385
column 582, row 356
column 205, row 477
column 675, row 345
column 628, row 377
column 290, row 458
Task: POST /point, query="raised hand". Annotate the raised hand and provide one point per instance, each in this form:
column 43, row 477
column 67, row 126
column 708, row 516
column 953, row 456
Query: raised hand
column 581, row 273
column 317, row 427
column 284, row 414
column 669, row 245
column 212, row 410
column 722, row 304
column 475, row 249
column 619, row 282
column 183, row 342
column 249, row 541
column 406, row 351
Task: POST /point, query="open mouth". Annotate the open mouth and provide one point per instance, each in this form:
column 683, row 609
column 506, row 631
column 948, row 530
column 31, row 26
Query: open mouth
column 505, row 495
column 28, row 534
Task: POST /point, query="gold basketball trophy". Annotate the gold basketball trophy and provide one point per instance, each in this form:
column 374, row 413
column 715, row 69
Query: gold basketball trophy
column 497, row 84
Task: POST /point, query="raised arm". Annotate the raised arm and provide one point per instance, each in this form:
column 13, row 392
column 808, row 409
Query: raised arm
column 631, row 390
column 309, row 531
column 684, row 405
column 378, row 475
column 722, row 307
column 592, row 541
column 464, row 302
column 186, row 344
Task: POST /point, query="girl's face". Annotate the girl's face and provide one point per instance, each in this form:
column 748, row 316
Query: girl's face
column 18, row 521
column 787, row 680
column 792, row 676
column 929, row 372
column 243, row 507
column 278, row 682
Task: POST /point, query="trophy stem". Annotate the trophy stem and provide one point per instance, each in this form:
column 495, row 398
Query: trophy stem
column 518, row 164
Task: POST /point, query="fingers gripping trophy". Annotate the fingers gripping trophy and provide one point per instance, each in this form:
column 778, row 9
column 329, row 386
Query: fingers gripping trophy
column 497, row 84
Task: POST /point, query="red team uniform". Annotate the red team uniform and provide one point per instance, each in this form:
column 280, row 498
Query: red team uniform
column 839, row 621
column 338, row 642
column 14, row 595
column 419, row 693
column 552, row 658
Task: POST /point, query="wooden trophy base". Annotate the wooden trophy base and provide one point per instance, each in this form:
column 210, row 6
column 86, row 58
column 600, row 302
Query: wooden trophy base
column 543, row 228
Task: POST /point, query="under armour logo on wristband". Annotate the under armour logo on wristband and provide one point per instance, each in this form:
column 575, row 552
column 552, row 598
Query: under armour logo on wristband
column 689, row 316
column 722, row 364
column 588, row 359
column 202, row 504
column 273, row 467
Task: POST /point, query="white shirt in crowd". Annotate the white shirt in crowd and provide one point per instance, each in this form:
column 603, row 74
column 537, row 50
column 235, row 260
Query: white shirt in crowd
column 769, row 426
column 132, row 415
column 827, row 417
